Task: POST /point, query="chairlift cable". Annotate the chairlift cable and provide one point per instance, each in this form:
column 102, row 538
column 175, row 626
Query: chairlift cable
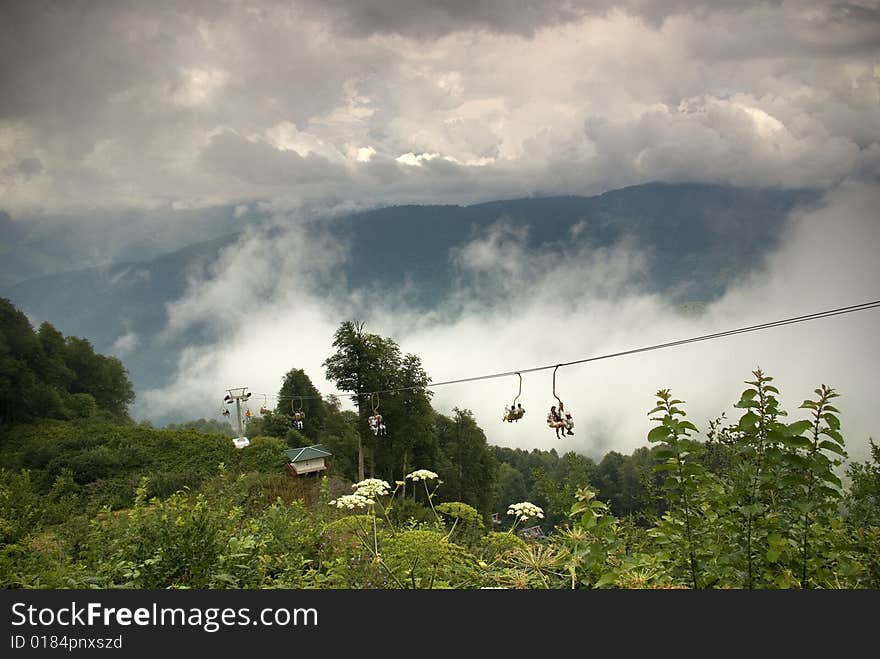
column 659, row 346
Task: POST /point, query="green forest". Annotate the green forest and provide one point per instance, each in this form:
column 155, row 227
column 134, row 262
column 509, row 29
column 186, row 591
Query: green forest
column 89, row 498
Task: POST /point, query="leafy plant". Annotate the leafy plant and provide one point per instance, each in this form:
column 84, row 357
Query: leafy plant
column 685, row 477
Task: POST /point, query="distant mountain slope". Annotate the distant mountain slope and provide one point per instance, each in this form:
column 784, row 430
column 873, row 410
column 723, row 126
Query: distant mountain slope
column 699, row 238
column 702, row 235
column 36, row 246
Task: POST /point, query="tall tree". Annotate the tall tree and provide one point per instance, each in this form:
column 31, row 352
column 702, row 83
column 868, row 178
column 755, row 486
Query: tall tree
column 340, row 437
column 42, row 374
column 103, row 378
column 362, row 363
column 466, row 464
column 18, row 350
column 411, row 439
column 297, row 393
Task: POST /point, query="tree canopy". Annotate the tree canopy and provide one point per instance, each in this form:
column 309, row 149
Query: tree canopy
column 44, row 374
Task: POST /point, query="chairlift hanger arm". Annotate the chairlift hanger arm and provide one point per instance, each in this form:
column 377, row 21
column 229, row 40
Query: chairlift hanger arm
column 554, row 383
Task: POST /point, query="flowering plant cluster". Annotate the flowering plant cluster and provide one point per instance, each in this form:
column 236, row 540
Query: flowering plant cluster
column 422, row 475
column 352, row 501
column 372, row 487
column 525, row 510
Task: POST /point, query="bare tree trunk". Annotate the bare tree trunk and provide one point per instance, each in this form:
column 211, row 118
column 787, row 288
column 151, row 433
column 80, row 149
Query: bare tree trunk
column 403, row 476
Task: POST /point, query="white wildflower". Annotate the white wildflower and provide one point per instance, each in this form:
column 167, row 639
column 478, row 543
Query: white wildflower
column 372, row 487
column 525, row 510
column 352, row 501
column 422, row 475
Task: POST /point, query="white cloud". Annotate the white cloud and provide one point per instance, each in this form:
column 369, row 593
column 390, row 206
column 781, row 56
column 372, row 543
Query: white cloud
column 559, row 97
column 364, row 153
column 125, row 344
column 414, row 160
column 198, row 86
column 516, row 309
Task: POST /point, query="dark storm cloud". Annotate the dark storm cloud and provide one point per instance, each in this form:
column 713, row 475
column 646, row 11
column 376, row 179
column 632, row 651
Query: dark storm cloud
column 427, row 19
column 430, row 19
column 29, row 167
column 435, row 18
column 262, row 164
column 185, row 105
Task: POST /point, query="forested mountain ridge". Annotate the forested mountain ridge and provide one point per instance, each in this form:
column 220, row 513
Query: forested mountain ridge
column 698, row 238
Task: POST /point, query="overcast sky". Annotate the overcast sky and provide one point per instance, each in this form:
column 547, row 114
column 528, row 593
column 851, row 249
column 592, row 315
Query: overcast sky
column 338, row 104
column 351, row 103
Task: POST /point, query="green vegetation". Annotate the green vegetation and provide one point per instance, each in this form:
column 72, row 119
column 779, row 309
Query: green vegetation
column 94, row 500
column 45, row 375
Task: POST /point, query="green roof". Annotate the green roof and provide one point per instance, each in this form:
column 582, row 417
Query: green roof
column 306, row 453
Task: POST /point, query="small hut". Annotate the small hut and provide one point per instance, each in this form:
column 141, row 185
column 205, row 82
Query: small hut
column 306, row 460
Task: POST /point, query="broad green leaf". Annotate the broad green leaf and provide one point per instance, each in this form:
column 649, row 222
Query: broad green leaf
column 607, row 579
column 753, row 509
column 688, row 425
column 797, row 442
column 777, row 435
column 659, row 408
column 833, row 434
column 748, row 394
column 831, row 478
column 748, row 421
column 659, row 434
column 792, row 482
column 832, row 421
column 829, row 492
column 578, row 507
column 796, row 461
column 797, row 428
column 834, row 448
column 821, row 459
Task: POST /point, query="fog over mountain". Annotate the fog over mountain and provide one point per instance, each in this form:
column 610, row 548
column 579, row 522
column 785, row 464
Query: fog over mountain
column 206, row 189
column 520, row 308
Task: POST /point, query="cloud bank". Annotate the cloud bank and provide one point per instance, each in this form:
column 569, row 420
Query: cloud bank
column 515, row 309
column 169, row 106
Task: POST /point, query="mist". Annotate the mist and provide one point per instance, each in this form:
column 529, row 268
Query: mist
column 273, row 304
